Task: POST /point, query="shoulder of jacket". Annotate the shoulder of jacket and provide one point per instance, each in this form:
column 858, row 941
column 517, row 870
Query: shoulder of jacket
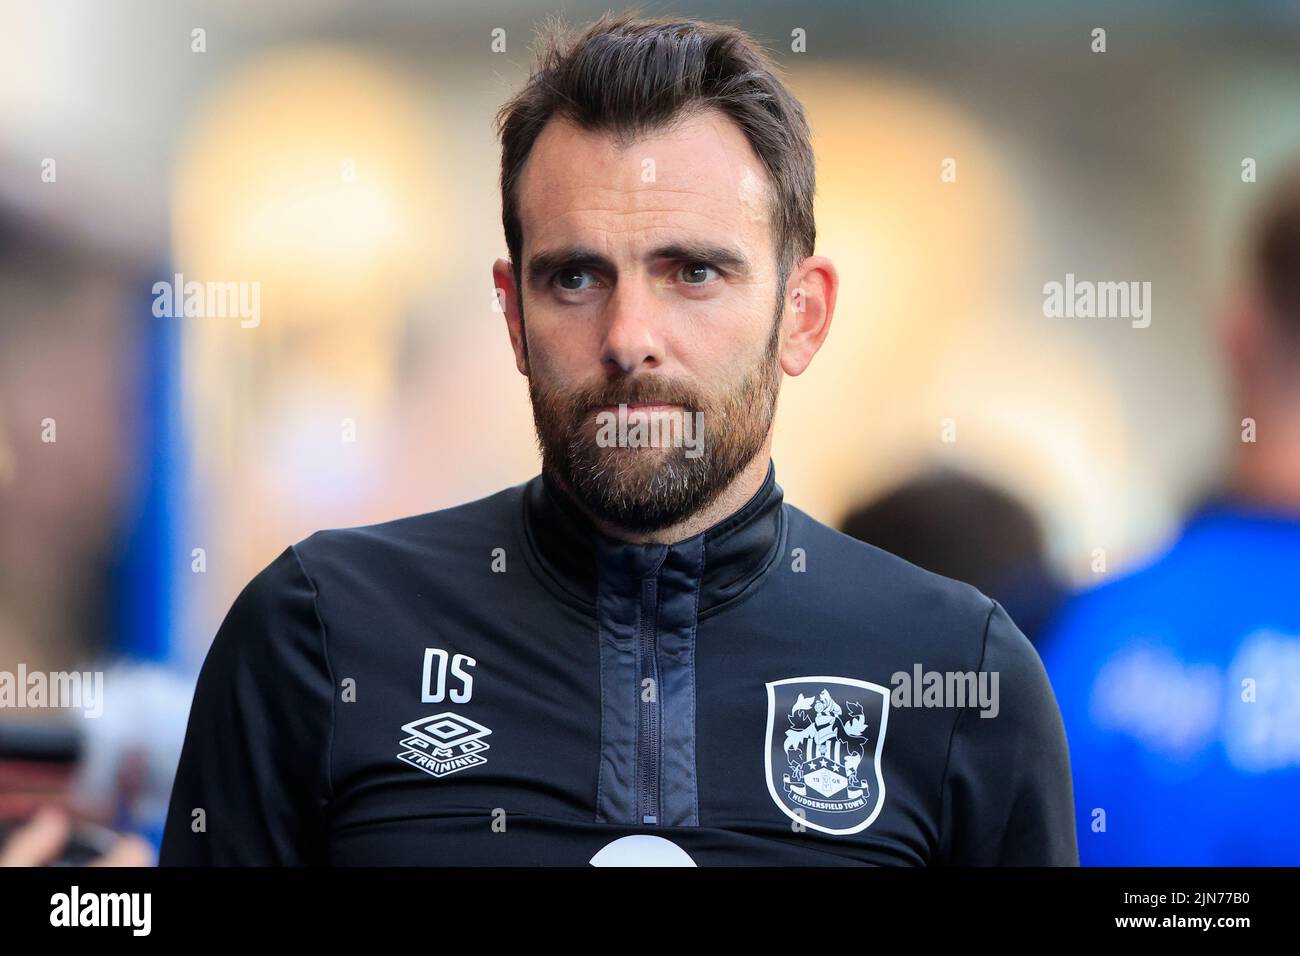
column 479, row 519
column 883, row 575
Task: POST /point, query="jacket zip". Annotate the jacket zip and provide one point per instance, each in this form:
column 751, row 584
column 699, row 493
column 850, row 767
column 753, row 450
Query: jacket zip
column 648, row 742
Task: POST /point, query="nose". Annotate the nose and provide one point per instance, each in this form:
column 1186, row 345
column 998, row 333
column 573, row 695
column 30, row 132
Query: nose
column 632, row 337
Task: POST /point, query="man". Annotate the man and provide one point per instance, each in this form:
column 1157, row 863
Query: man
column 642, row 655
column 1180, row 682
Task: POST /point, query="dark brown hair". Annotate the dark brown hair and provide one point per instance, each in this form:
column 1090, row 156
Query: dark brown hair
column 1276, row 252
column 630, row 75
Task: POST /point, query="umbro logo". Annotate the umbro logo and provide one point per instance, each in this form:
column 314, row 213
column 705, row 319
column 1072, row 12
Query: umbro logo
column 444, row 744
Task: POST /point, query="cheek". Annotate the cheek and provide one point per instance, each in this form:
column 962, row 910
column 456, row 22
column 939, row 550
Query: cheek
column 560, row 353
column 723, row 342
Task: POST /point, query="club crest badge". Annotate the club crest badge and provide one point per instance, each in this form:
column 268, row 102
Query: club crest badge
column 444, row 744
column 824, row 740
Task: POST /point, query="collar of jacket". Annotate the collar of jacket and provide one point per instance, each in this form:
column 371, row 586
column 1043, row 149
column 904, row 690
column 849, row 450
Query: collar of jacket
column 721, row 561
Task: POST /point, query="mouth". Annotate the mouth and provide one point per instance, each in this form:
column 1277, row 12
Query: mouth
column 642, row 408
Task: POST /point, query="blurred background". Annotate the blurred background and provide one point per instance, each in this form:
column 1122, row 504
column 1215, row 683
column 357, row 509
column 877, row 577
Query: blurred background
column 341, row 155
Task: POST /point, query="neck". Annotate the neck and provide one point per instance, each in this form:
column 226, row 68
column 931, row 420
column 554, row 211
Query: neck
column 1267, row 471
column 732, row 498
column 722, row 558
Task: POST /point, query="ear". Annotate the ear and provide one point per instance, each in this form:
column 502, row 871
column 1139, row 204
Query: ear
column 507, row 294
column 809, row 305
column 1242, row 333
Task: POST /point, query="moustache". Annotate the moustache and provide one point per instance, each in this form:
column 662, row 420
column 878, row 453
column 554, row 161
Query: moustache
column 657, row 393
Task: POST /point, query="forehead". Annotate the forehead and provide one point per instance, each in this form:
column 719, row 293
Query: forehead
column 698, row 179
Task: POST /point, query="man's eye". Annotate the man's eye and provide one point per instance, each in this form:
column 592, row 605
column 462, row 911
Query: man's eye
column 696, row 273
column 570, row 280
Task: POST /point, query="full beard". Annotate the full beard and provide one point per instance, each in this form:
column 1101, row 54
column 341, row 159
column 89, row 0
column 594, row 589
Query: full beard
column 647, row 489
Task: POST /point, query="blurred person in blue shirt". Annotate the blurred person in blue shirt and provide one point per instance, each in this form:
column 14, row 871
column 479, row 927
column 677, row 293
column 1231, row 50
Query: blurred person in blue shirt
column 1179, row 683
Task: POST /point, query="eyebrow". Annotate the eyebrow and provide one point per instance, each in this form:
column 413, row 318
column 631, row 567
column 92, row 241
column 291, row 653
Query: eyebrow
column 542, row 264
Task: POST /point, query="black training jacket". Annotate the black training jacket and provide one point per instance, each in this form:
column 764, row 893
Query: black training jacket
column 499, row 684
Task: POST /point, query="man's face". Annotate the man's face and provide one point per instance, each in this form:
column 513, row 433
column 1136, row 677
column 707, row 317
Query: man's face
column 648, row 280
